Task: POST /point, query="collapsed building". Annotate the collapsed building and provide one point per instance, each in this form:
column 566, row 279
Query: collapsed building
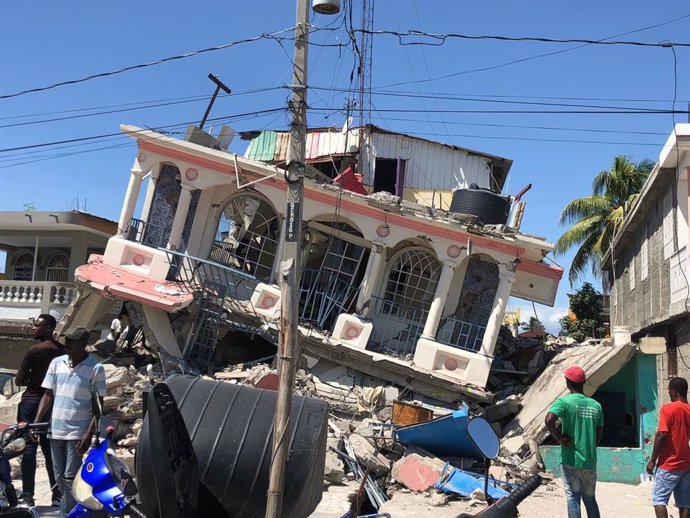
column 408, row 263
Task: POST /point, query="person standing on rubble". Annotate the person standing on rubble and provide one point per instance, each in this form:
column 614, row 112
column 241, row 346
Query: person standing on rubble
column 671, row 452
column 30, row 375
column 68, row 385
column 581, row 427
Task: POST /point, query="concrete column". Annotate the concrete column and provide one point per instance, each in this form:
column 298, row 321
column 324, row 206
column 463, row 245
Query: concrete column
column 506, row 278
column 150, row 191
column 130, row 200
column 371, row 278
column 77, row 255
column 180, row 217
column 437, row 305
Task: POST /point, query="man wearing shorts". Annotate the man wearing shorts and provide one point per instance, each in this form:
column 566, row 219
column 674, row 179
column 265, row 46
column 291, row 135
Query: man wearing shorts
column 671, row 452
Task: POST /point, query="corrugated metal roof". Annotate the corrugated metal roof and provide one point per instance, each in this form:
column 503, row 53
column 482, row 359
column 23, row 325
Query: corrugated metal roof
column 262, row 147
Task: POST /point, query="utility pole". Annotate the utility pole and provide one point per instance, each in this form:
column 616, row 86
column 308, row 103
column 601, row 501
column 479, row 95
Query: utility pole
column 291, row 267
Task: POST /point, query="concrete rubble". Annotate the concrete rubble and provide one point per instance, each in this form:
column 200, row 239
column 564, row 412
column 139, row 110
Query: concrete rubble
column 361, row 441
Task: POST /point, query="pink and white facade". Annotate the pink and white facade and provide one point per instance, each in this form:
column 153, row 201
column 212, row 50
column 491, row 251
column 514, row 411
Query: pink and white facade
column 388, row 283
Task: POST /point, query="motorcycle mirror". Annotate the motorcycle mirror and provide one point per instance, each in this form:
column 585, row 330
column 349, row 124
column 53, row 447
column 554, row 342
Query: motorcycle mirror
column 484, row 437
column 96, row 403
column 129, row 488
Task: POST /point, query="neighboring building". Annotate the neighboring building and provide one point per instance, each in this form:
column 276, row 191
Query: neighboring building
column 42, row 250
column 397, row 290
column 648, row 262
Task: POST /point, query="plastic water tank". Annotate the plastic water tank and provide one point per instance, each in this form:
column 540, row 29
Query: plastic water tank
column 231, row 427
column 489, row 207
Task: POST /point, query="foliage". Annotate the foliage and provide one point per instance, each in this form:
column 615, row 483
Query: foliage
column 585, row 304
column 534, row 323
column 596, row 218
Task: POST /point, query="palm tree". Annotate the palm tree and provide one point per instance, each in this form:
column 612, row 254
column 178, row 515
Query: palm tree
column 596, row 218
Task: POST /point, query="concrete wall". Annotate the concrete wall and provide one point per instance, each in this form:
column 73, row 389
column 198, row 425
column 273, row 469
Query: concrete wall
column 649, row 301
column 625, row 465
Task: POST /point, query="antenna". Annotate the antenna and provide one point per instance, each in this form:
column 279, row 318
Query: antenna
column 219, row 85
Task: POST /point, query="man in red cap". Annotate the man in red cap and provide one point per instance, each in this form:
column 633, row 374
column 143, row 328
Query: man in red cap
column 581, row 426
column 671, row 452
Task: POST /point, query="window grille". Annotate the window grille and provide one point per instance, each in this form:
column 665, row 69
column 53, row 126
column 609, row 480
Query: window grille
column 57, row 267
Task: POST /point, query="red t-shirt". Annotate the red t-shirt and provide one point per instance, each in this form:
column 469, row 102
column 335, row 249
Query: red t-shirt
column 674, row 420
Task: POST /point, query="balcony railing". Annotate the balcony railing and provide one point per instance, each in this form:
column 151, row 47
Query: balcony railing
column 324, row 294
column 18, row 297
column 198, row 274
column 458, row 333
column 149, row 234
column 397, row 326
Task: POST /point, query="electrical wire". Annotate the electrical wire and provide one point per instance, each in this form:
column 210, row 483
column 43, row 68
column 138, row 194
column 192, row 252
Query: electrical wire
column 136, row 108
column 82, row 139
column 269, row 36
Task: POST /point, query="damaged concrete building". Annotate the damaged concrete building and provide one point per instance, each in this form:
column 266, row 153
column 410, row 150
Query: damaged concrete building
column 392, row 287
column 648, row 263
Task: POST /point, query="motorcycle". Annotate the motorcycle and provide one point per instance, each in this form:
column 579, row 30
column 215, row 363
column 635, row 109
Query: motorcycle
column 13, row 443
column 103, row 482
column 104, row 486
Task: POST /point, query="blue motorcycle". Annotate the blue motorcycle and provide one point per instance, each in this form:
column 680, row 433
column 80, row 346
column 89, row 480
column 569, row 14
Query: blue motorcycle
column 104, row 485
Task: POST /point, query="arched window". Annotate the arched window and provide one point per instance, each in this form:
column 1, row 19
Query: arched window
column 247, row 235
column 413, row 277
column 23, row 267
column 57, row 267
column 400, row 314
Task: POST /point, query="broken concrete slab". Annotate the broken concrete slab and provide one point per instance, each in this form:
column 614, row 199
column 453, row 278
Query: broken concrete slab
column 502, row 409
column 417, row 470
column 367, row 454
column 599, row 362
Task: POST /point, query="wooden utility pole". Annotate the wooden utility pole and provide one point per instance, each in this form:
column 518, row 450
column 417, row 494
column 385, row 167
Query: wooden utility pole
column 291, row 267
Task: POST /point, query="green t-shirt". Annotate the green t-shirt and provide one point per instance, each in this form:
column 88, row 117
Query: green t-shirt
column 580, row 416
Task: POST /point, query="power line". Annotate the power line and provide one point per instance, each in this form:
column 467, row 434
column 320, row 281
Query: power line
column 134, row 108
column 532, row 112
column 272, row 36
column 441, row 39
column 83, row 139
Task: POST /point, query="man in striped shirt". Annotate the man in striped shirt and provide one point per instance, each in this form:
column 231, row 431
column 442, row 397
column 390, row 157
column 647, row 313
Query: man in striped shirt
column 68, row 384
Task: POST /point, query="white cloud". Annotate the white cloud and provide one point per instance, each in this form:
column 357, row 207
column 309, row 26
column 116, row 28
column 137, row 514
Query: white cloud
column 549, row 316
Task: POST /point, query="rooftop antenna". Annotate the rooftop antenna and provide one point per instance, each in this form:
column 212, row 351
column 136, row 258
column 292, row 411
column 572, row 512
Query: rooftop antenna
column 219, row 85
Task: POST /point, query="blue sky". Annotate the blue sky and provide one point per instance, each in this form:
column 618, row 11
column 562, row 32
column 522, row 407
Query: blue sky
column 47, row 42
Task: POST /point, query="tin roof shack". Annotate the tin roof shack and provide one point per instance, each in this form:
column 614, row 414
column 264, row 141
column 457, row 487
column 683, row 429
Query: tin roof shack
column 412, row 168
column 648, row 262
column 395, row 290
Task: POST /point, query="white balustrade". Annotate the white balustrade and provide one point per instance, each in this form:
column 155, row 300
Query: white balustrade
column 38, row 294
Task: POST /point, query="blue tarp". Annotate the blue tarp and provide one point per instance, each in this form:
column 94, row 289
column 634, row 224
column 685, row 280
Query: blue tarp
column 454, row 480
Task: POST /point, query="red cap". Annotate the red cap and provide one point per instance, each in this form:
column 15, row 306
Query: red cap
column 575, row 374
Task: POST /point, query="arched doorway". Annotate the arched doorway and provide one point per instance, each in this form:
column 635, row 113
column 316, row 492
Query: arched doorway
column 400, row 313
column 57, row 267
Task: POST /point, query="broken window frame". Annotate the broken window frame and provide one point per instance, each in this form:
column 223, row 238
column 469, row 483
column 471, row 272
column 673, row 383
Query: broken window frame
column 251, row 238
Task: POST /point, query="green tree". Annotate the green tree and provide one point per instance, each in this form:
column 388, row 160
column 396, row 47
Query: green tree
column 534, row 323
column 585, row 304
column 595, row 219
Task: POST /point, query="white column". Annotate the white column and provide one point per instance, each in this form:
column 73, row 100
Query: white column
column 506, row 277
column 150, row 191
column 33, row 270
column 180, row 217
column 437, row 305
column 371, row 278
column 130, row 200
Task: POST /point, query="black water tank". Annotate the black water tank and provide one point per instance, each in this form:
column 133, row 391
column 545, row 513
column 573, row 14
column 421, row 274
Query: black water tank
column 231, row 427
column 489, row 207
